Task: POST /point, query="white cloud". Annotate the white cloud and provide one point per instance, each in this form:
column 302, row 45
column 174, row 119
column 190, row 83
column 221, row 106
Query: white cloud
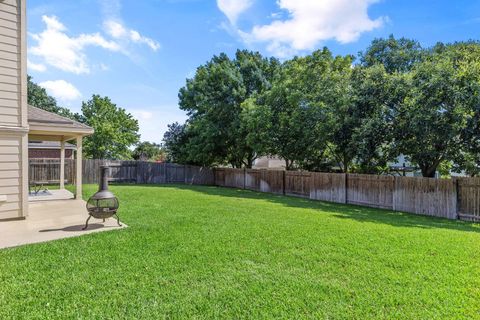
column 136, row 37
column 66, row 53
column 115, row 29
column 310, row 22
column 36, row 66
column 142, row 115
column 154, row 121
column 234, row 8
column 118, row 31
column 61, row 89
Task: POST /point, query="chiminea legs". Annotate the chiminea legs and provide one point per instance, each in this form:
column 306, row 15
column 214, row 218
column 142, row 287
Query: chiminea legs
column 86, row 223
column 89, row 217
column 118, row 220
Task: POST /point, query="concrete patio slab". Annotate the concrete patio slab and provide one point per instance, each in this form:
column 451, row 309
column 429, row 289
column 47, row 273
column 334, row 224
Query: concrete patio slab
column 49, row 195
column 52, row 220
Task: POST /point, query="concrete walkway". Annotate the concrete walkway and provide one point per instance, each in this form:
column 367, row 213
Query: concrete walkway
column 52, row 220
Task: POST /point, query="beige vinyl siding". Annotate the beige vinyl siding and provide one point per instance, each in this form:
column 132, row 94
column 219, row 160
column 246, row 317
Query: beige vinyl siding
column 10, row 175
column 9, row 158
column 9, row 111
column 9, row 16
column 6, row 103
column 11, row 42
column 13, row 121
column 10, row 67
column 9, row 87
column 11, row 166
column 4, row 174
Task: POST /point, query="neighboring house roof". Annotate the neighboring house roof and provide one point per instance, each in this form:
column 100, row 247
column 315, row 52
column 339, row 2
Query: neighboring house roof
column 42, row 122
column 49, row 145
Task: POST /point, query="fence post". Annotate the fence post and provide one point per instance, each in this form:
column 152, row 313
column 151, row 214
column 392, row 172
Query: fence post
column 185, row 181
column 346, row 187
column 244, row 178
column 284, row 179
column 394, row 194
column 457, row 197
column 139, row 167
column 165, row 170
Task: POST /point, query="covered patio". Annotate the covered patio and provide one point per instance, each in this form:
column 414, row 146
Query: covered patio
column 47, row 126
column 51, row 220
column 54, row 213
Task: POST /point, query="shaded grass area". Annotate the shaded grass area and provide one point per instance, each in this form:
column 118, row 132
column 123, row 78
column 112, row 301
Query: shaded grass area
column 207, row 252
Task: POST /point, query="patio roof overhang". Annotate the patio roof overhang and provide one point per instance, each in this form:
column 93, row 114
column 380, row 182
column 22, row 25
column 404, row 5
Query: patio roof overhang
column 47, row 126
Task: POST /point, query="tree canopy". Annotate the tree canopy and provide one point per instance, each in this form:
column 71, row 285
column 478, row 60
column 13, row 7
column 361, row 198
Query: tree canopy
column 149, row 151
column 213, row 101
column 115, row 129
column 396, row 55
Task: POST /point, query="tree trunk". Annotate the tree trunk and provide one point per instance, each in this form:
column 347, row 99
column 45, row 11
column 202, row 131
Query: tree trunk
column 249, row 161
column 429, row 171
column 345, row 163
column 288, row 164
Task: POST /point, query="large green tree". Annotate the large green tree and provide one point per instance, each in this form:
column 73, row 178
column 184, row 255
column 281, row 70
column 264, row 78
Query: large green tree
column 115, row 129
column 375, row 98
column 436, row 110
column 286, row 117
column 213, row 100
column 176, row 143
column 467, row 55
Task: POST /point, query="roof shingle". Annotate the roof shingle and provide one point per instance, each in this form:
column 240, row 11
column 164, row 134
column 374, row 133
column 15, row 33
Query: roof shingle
column 42, row 117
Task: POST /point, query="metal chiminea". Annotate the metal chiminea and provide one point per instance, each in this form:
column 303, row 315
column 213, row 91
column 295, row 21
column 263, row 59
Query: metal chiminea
column 103, row 204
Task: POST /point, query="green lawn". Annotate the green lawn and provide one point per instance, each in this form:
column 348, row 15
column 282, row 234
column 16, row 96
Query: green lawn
column 206, row 252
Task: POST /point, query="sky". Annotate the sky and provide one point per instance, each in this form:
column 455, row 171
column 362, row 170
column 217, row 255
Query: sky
column 140, row 53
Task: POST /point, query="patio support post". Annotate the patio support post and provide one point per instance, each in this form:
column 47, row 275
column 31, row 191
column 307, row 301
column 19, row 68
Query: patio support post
column 62, row 164
column 78, row 194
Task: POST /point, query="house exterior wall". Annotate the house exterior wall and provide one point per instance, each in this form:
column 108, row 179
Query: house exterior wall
column 267, row 162
column 13, row 111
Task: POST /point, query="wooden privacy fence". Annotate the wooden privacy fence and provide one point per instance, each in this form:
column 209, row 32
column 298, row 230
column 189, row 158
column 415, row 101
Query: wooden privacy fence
column 264, row 180
column 447, row 198
column 147, row 172
column 121, row 171
column 468, row 198
column 370, row 190
column 160, row 173
column 49, row 170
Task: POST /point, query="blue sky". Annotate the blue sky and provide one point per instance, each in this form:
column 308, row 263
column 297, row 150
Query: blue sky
column 139, row 53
